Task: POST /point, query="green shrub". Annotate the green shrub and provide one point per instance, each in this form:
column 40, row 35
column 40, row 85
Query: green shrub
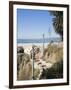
column 56, row 71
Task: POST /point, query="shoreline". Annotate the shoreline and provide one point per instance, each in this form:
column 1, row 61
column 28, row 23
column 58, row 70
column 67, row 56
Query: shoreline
column 28, row 46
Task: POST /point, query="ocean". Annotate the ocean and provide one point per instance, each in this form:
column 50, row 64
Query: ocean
column 38, row 40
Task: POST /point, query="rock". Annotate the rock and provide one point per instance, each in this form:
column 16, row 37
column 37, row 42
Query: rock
column 20, row 49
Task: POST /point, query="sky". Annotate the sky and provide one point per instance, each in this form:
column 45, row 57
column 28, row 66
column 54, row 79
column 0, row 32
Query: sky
column 32, row 24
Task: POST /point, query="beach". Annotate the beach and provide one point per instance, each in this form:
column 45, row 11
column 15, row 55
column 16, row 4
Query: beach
column 28, row 46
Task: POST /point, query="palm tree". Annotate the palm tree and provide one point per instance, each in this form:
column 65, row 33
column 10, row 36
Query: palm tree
column 58, row 22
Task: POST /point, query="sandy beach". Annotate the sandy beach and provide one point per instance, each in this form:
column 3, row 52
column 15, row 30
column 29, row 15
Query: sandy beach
column 27, row 47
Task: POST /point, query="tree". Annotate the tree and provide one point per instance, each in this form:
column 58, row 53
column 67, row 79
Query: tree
column 58, row 22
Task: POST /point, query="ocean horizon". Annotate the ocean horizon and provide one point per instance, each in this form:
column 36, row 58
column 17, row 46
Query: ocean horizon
column 38, row 40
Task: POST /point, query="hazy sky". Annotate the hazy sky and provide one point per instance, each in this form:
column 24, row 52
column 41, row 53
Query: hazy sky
column 33, row 23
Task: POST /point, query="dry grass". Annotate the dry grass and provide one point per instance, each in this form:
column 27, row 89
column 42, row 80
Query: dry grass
column 53, row 53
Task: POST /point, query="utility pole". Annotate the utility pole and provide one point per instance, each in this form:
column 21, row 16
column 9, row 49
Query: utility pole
column 49, row 35
column 32, row 62
column 43, row 46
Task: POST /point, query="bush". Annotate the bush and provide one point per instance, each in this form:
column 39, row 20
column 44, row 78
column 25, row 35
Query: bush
column 36, row 73
column 56, row 71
